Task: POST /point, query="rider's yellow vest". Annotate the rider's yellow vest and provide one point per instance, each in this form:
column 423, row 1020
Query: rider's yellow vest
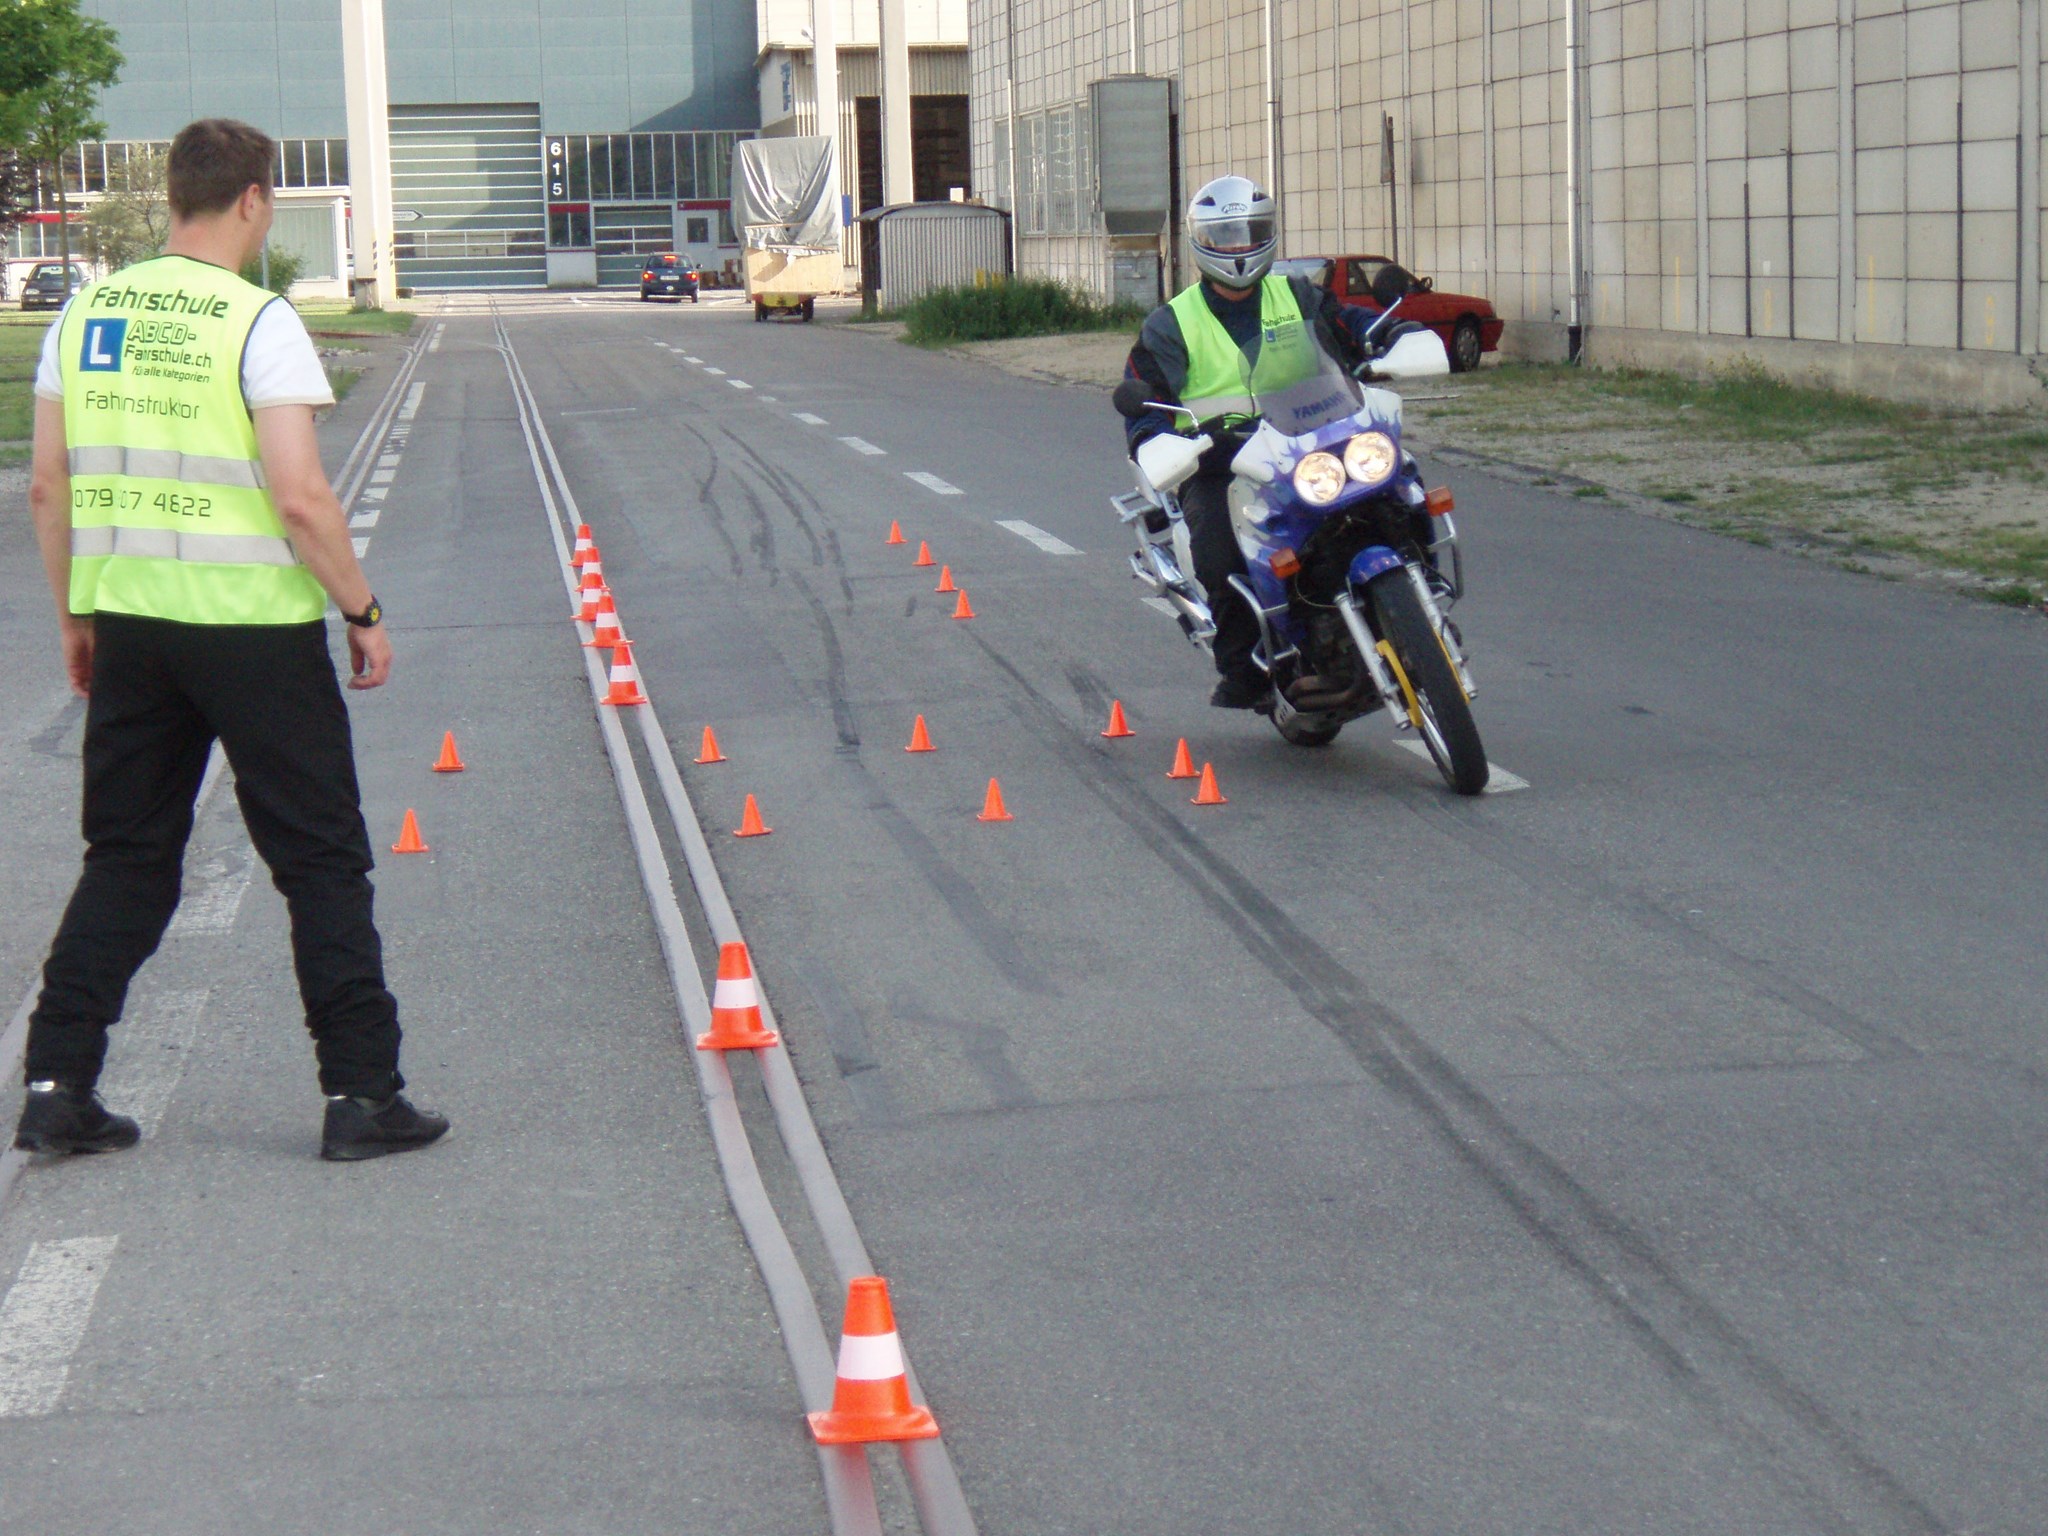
column 1221, row 379
column 169, row 515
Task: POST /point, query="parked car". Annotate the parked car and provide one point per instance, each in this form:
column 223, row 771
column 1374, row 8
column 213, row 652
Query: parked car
column 1467, row 325
column 668, row 276
column 45, row 287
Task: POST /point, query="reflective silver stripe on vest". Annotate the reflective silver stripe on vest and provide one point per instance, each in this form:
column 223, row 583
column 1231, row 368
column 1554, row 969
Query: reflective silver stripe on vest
column 169, row 544
column 1211, row 406
column 167, row 464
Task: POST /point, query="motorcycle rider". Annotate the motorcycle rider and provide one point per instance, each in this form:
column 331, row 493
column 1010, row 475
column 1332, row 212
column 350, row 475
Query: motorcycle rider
column 1237, row 332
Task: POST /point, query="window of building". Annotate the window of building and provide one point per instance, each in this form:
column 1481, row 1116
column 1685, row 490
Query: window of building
column 1059, row 163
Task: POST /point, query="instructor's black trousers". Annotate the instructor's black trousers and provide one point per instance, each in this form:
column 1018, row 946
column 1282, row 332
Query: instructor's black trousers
column 1205, row 503
column 162, row 693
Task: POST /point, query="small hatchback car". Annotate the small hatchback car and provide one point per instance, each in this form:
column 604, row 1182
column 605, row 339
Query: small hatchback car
column 44, row 287
column 668, row 276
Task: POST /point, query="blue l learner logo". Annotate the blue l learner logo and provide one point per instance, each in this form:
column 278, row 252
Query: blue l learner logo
column 103, row 342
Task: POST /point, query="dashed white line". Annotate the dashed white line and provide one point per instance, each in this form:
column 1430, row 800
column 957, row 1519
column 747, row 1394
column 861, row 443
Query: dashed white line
column 808, row 419
column 362, row 547
column 411, row 408
column 716, row 373
column 770, row 400
column 610, row 410
column 373, row 493
column 933, row 483
column 1498, row 781
column 689, row 359
column 383, row 477
column 150, row 1061
column 739, row 383
column 212, row 908
column 434, row 341
column 366, row 519
column 389, row 461
column 43, row 1320
column 862, row 445
column 1038, row 536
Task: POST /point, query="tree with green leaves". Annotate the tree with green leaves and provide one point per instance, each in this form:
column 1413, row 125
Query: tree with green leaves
column 133, row 220
column 50, row 93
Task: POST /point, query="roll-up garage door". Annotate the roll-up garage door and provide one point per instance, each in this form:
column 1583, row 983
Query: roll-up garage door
column 626, row 236
column 472, row 177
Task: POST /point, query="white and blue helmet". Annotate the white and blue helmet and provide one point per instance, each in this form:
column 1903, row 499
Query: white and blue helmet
column 1233, row 231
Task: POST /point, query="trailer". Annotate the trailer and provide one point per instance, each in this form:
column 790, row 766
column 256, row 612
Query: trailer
column 785, row 202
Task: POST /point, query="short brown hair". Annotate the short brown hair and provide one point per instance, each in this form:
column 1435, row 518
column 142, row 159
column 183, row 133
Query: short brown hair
column 214, row 161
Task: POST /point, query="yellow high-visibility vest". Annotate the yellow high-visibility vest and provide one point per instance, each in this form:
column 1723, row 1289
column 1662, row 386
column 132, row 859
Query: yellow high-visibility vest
column 1221, row 382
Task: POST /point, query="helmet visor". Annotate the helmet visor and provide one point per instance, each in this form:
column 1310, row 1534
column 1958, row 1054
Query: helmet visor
column 1229, row 237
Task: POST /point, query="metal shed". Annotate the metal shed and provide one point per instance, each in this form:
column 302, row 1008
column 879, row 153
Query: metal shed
column 912, row 248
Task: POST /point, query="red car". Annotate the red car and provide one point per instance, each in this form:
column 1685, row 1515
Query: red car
column 1467, row 325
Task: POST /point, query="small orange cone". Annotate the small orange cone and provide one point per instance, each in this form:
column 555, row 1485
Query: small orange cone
column 751, row 824
column 945, row 580
column 450, row 761
column 736, row 1006
column 708, row 752
column 1118, row 726
column 924, row 554
column 963, row 609
column 1208, row 793
column 588, row 596
column 992, row 807
column 409, row 839
column 871, row 1395
column 625, row 678
column 584, row 549
column 1183, row 765
column 593, row 566
column 920, row 738
column 895, row 533
column 605, row 631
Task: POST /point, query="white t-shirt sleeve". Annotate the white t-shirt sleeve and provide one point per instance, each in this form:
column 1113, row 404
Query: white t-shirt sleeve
column 49, row 377
column 280, row 365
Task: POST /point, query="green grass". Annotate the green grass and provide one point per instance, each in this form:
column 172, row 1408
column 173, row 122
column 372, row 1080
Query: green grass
column 339, row 320
column 342, row 380
column 1020, row 307
column 21, row 342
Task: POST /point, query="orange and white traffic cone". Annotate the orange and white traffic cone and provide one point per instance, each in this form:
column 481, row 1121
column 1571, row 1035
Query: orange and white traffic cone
column 1118, row 727
column 708, row 752
column 924, row 554
column 625, row 678
column 751, row 824
column 945, row 580
column 584, row 549
column 992, row 807
column 409, row 839
column 450, row 760
column 1183, row 764
column 587, row 597
column 736, row 1006
column 962, row 609
column 871, row 1395
column 1207, row 793
column 920, row 738
column 604, row 624
column 895, row 533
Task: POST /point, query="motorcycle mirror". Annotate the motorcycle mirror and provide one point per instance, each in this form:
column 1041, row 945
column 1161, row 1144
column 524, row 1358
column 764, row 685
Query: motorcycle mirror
column 1132, row 398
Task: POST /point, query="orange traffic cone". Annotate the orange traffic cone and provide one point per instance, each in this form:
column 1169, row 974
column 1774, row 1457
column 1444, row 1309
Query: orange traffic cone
column 871, row 1396
column 992, row 807
column 1118, row 727
column 584, row 548
column 945, row 580
column 1207, row 793
column 924, row 554
column 920, row 738
column 708, row 752
column 1183, row 765
column 736, row 1006
column 625, row 678
column 450, row 761
column 409, row 839
column 594, row 566
column 751, row 824
column 963, row 609
column 588, row 595
column 604, row 624
column 895, row 533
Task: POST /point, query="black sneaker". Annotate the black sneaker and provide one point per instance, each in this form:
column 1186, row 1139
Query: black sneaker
column 58, row 1117
column 363, row 1128
column 1241, row 688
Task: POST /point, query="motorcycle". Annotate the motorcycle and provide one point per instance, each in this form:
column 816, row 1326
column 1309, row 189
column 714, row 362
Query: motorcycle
column 1351, row 563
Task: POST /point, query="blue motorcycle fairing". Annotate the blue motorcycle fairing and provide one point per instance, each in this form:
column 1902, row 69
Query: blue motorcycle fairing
column 1373, row 560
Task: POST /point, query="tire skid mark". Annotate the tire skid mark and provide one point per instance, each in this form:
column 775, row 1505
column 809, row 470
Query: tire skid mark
column 1781, row 1427
column 713, row 509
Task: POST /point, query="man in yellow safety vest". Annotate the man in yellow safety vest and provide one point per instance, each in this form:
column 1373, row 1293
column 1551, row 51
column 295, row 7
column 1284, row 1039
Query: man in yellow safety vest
column 193, row 545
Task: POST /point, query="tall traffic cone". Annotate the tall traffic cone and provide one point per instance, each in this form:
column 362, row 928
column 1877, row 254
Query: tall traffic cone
column 1207, row 793
column 584, row 548
column 604, row 624
column 920, row 738
column 871, row 1395
column 895, row 533
column 992, row 807
column 751, row 824
column 963, row 609
column 587, row 596
column 409, row 839
column 924, row 554
column 450, row 761
column 1183, row 765
column 736, row 1006
column 945, row 580
column 594, row 566
column 708, row 752
column 1118, row 727
column 625, row 678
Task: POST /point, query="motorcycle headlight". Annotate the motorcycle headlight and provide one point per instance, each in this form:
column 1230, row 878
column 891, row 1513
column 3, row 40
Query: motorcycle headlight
column 1318, row 478
column 1369, row 457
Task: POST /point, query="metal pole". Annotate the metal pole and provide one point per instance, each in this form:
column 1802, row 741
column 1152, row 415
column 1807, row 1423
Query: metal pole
column 1748, row 325
column 1959, row 218
column 1575, row 255
column 1791, row 253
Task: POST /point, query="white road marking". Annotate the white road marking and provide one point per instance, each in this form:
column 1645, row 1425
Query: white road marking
column 1163, row 606
column 689, row 359
column 716, row 373
column 933, row 483
column 374, row 493
column 610, row 410
column 43, row 1320
column 739, row 383
column 862, row 445
column 1498, row 780
column 1038, row 536
column 411, row 408
column 770, row 400
column 212, row 908
column 808, row 419
column 362, row 547
column 150, row 1055
column 383, row 477
column 389, row 460
column 434, row 342
column 366, row 519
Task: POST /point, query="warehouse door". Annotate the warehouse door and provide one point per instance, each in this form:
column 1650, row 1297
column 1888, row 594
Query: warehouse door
column 467, row 193
column 626, row 236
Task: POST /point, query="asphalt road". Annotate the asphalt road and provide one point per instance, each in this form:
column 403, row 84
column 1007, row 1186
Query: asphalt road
column 1653, row 1149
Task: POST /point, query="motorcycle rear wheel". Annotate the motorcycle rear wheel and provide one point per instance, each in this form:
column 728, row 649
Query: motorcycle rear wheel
column 1447, row 728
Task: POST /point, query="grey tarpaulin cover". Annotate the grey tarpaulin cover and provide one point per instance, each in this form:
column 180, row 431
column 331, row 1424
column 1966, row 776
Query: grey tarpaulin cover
column 785, row 193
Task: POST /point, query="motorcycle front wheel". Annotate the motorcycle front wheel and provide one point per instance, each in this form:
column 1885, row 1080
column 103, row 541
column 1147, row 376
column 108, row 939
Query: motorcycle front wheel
column 1444, row 716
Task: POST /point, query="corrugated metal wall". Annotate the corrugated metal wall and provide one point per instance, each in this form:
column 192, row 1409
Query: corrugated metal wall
column 472, row 175
column 939, row 246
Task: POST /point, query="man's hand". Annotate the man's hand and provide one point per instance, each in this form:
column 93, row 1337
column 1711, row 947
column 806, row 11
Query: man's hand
column 76, row 636
column 369, row 656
